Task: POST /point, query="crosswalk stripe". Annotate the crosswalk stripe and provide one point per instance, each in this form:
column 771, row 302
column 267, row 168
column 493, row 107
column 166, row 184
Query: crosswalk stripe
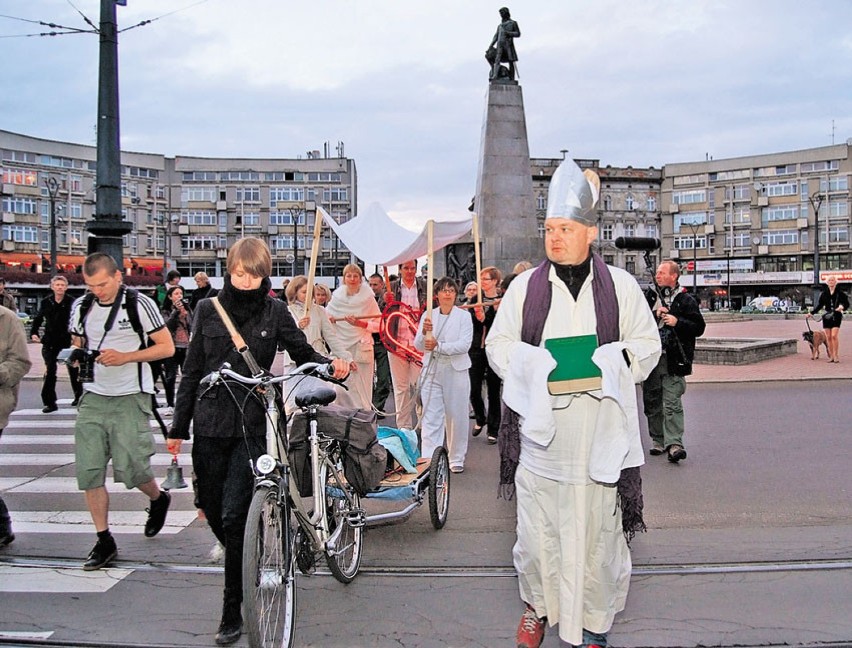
column 23, row 424
column 62, row 459
column 22, row 634
column 120, row 522
column 58, row 439
column 47, row 580
column 59, row 485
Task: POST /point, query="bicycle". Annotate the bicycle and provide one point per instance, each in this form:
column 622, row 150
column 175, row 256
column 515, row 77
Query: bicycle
column 273, row 548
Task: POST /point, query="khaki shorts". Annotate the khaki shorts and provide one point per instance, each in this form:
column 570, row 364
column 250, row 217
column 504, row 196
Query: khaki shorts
column 117, row 428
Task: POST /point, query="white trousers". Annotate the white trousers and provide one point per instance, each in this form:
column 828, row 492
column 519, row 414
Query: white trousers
column 404, row 375
column 445, row 393
column 571, row 556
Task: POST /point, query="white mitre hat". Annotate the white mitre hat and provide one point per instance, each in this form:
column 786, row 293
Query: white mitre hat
column 573, row 194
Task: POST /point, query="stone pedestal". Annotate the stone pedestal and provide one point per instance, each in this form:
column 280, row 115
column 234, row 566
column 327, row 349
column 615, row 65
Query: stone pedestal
column 504, row 193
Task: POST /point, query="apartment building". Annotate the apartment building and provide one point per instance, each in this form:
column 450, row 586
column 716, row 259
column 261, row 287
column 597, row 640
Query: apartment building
column 186, row 211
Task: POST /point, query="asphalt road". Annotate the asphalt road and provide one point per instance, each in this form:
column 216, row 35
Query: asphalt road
column 749, row 543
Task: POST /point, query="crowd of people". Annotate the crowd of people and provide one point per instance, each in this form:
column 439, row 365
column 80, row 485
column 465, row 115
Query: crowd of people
column 473, row 361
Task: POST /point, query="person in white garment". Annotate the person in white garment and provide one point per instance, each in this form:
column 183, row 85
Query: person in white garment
column 322, row 335
column 567, row 456
column 353, row 308
column 444, row 380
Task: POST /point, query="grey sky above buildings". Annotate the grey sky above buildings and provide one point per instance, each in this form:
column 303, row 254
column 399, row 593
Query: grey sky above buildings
column 402, row 83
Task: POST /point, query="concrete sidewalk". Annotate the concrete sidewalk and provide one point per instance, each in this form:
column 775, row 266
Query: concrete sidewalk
column 791, row 367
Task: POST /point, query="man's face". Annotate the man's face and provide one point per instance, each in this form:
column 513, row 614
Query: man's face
column 2, row 287
column 104, row 286
column 376, row 285
column 174, row 281
column 58, row 286
column 567, row 242
column 408, row 272
column 666, row 276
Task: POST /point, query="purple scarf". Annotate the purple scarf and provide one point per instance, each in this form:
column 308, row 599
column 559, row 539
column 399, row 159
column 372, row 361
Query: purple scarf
column 535, row 312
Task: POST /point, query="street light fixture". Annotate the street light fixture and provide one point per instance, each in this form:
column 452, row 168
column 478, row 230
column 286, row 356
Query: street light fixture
column 816, row 199
column 52, row 191
column 694, row 227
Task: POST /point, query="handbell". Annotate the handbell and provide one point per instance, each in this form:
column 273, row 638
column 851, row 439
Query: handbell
column 174, row 476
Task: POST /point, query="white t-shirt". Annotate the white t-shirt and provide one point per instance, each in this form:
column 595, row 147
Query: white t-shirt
column 130, row 378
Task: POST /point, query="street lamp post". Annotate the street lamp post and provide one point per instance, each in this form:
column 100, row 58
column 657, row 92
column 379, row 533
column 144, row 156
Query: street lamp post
column 52, row 191
column 816, row 199
column 694, row 227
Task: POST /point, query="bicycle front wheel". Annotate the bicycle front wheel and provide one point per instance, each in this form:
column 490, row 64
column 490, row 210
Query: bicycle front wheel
column 269, row 580
column 345, row 526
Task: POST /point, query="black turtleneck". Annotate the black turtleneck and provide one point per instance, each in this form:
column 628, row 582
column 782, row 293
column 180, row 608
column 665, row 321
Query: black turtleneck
column 573, row 276
column 244, row 305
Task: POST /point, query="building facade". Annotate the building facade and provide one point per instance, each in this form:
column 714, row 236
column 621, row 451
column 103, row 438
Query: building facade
column 186, row 211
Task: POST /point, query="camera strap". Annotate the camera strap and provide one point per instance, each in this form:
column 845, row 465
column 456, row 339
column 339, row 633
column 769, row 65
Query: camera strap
column 237, row 339
column 113, row 313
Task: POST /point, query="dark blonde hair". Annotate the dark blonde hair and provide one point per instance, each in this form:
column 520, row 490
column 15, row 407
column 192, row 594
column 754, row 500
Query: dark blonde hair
column 323, row 289
column 294, row 286
column 254, row 256
column 352, row 267
column 492, row 272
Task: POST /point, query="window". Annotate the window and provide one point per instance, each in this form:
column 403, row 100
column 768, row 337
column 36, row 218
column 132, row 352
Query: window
column 199, row 217
column 248, row 194
column 741, row 215
column 630, row 203
column 685, row 242
column 323, row 177
column 45, row 240
column 607, row 203
column 286, row 216
column 20, row 177
column 20, row 233
column 51, row 160
column 541, row 202
column 248, row 219
column 838, row 209
column 782, row 189
column 286, row 194
column 606, row 232
column 838, row 234
column 335, row 194
column 198, row 194
column 189, row 243
column 243, row 176
column 199, row 176
column 609, row 259
column 741, row 240
column 689, row 197
column 836, row 183
column 651, row 204
column 20, row 205
column 689, row 218
column 629, row 229
column 811, row 167
column 780, row 237
column 75, row 210
column 630, row 264
column 778, row 213
column 285, row 242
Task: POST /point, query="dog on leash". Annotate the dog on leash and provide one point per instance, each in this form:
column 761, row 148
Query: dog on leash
column 815, row 339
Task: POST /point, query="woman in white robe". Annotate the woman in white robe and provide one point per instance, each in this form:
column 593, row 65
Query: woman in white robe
column 353, row 309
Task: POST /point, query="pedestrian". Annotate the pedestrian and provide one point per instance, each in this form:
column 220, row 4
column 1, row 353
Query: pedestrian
column 7, row 299
column 116, row 400
column 470, row 292
column 354, row 310
column 566, row 452
column 179, row 323
column 203, row 291
column 161, row 295
column 444, row 381
column 14, row 365
column 322, row 295
column 835, row 302
column 382, row 386
column 405, row 371
column 680, row 321
column 55, row 312
column 230, row 434
column 480, row 372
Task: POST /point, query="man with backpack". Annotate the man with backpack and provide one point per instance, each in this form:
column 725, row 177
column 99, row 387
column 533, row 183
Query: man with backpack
column 118, row 332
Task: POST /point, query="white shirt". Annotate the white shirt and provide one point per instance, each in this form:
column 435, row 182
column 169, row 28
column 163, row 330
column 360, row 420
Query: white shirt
column 123, row 380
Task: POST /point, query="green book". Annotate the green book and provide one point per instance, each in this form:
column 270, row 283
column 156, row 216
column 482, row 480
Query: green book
column 575, row 371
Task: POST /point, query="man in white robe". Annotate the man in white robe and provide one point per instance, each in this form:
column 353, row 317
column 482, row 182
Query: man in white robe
column 571, row 556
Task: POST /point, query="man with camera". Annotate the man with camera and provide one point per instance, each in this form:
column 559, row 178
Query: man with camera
column 115, row 409
column 680, row 322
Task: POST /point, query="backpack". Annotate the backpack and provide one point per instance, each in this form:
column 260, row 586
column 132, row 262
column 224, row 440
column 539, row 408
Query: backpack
column 132, row 302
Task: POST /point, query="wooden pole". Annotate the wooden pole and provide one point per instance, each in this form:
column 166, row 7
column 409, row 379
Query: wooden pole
column 477, row 257
column 430, row 249
column 312, row 267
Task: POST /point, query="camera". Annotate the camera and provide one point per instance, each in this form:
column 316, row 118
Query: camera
column 85, row 358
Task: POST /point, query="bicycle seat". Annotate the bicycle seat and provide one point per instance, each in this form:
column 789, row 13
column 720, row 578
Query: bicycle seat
column 315, row 394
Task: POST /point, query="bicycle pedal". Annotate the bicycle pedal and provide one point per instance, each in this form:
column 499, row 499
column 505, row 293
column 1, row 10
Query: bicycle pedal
column 356, row 518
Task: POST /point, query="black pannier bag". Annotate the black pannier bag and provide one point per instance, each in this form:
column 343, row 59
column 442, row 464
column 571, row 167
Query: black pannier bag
column 364, row 458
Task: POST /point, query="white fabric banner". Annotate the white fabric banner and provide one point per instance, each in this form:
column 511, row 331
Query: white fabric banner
column 376, row 239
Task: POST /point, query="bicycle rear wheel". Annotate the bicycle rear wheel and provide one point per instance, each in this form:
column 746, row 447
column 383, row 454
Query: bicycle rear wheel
column 269, row 580
column 344, row 558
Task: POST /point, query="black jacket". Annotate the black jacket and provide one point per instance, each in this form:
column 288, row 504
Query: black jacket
column 56, row 317
column 690, row 325
column 215, row 414
column 201, row 293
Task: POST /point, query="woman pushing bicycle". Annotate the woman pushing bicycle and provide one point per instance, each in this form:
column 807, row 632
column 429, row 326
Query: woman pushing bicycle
column 226, row 438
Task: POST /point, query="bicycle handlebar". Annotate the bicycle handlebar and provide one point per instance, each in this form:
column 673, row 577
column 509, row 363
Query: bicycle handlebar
column 322, row 370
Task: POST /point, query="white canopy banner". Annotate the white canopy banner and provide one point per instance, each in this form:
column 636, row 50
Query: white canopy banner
column 376, row 239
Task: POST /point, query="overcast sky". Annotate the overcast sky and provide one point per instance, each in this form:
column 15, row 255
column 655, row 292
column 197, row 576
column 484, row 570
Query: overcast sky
column 402, row 83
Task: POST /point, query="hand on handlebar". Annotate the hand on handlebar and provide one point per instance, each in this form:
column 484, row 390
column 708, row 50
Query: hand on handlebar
column 341, row 368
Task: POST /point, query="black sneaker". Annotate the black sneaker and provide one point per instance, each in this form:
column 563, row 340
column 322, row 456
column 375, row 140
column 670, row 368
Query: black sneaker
column 47, row 409
column 101, row 555
column 6, row 538
column 75, row 402
column 157, row 514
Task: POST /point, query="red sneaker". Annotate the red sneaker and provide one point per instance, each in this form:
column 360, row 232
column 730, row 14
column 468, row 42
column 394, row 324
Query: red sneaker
column 531, row 629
